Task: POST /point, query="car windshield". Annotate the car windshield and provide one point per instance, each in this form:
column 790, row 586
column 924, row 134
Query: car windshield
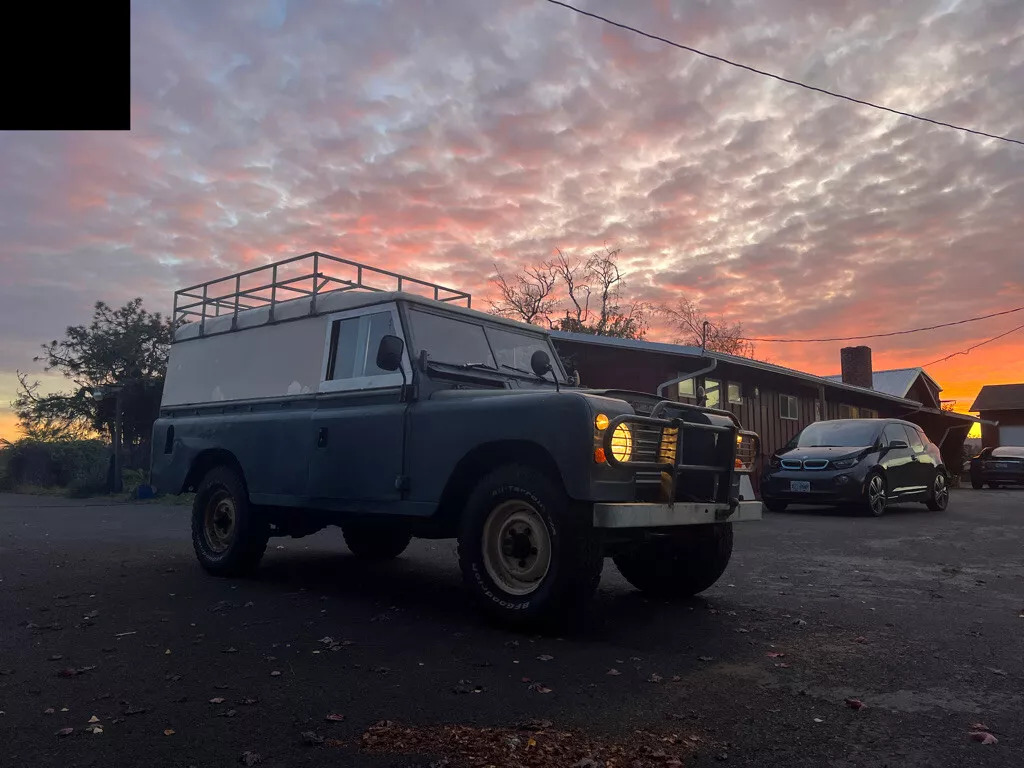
column 455, row 341
column 1010, row 451
column 844, row 434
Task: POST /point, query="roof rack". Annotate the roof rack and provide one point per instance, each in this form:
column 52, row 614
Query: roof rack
column 310, row 275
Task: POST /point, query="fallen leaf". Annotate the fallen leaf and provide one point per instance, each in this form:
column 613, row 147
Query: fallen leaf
column 228, row 713
column 531, row 742
column 167, row 652
column 250, row 758
column 311, row 738
column 65, row 731
column 232, row 649
column 135, row 710
column 775, row 655
column 706, row 658
column 980, row 727
column 49, row 711
column 94, row 719
column 613, row 672
column 654, row 678
column 275, row 673
column 334, row 718
column 539, row 688
column 545, row 657
column 168, row 731
column 855, row 704
column 217, row 700
column 818, row 720
column 983, row 737
column 861, row 639
column 56, row 657
column 95, row 729
column 676, row 678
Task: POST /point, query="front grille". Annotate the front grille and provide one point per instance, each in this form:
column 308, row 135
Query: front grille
column 792, row 464
column 815, row 463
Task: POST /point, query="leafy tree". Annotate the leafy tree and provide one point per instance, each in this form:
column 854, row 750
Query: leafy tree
column 125, row 347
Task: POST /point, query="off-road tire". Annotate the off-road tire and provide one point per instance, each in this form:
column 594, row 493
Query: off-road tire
column 564, row 593
column 248, row 542
column 773, row 505
column 865, row 506
column 681, row 564
column 937, row 502
column 375, row 543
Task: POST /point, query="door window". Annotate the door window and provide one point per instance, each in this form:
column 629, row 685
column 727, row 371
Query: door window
column 894, row 432
column 351, row 350
column 915, row 442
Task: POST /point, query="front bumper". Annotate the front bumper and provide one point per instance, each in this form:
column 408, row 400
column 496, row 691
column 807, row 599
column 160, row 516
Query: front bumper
column 669, row 515
column 825, row 487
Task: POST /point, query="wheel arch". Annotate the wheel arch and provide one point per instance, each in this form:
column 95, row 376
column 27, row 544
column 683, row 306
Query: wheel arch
column 207, row 460
column 481, row 460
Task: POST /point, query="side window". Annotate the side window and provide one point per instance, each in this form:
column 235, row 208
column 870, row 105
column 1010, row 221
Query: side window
column 894, row 432
column 916, row 444
column 868, row 413
column 735, row 393
column 686, row 389
column 848, row 411
column 712, row 393
column 352, row 350
column 788, row 407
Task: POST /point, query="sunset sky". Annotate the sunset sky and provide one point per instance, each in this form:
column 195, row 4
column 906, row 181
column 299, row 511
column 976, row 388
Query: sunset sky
column 439, row 137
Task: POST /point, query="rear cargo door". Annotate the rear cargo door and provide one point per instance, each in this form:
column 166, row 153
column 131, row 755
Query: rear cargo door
column 357, row 429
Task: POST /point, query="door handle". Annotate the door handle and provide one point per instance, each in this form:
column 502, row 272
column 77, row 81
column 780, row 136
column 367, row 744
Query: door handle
column 321, row 437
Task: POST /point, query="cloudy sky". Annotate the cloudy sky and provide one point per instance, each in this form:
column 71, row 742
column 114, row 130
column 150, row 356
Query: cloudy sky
column 440, row 137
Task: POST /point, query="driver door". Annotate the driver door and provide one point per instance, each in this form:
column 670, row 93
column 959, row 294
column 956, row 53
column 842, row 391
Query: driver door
column 899, row 469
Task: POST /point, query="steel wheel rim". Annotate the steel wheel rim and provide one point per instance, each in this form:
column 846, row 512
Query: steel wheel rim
column 516, row 547
column 876, row 495
column 941, row 491
column 219, row 522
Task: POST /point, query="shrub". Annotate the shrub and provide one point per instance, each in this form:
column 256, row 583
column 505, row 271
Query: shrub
column 74, row 464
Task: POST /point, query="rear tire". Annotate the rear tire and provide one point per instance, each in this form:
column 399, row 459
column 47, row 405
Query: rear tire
column 529, row 557
column 681, row 564
column 375, row 543
column 773, row 505
column 229, row 534
column 938, row 496
column 874, row 501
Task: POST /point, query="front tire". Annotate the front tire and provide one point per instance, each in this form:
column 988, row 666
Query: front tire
column 375, row 543
column 875, row 500
column 680, row 564
column 229, row 534
column 529, row 557
column 977, row 484
column 774, row 505
column 938, row 496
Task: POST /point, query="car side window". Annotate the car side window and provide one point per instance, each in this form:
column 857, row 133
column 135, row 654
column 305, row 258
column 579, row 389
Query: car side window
column 893, row 432
column 353, row 339
column 914, row 440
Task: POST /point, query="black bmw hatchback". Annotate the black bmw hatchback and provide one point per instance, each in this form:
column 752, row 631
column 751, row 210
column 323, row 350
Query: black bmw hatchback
column 862, row 463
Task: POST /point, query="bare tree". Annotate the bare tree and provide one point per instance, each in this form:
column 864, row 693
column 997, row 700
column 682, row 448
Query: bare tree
column 527, row 296
column 688, row 321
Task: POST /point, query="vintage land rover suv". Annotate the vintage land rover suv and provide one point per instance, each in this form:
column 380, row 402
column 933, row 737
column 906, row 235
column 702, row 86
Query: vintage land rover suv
column 300, row 395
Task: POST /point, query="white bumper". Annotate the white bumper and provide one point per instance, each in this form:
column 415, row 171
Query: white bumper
column 680, row 513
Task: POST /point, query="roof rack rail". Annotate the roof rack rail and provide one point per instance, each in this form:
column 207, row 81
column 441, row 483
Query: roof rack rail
column 310, row 275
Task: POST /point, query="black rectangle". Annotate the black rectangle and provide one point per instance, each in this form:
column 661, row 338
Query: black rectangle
column 68, row 67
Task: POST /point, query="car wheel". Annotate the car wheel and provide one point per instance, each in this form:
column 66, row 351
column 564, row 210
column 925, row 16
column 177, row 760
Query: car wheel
column 938, row 496
column 680, row 564
column 874, row 495
column 229, row 534
column 774, row 505
column 994, row 486
column 977, row 484
column 375, row 542
column 528, row 556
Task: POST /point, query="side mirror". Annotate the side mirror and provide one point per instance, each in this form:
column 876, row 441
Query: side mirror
column 540, row 363
column 897, row 444
column 389, row 353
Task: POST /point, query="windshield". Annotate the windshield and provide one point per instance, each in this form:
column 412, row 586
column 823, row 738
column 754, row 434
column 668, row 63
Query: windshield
column 456, row 341
column 845, row 434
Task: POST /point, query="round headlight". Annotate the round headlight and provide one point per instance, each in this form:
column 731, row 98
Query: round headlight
column 622, row 443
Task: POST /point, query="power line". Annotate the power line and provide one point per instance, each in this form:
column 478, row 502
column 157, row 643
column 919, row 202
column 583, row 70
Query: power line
column 971, row 348
column 783, row 79
column 890, row 333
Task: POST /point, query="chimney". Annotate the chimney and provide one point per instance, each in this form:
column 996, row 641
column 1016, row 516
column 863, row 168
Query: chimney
column 856, row 366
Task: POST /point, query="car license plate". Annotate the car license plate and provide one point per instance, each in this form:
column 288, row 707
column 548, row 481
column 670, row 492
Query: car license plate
column 800, row 486
column 1000, row 465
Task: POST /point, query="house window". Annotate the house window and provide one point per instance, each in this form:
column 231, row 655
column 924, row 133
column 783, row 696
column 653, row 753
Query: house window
column 735, row 394
column 868, row 413
column 848, row 411
column 686, row 389
column 712, row 393
column 789, row 407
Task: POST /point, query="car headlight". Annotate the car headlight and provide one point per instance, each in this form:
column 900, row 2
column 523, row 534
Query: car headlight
column 844, row 463
column 622, row 443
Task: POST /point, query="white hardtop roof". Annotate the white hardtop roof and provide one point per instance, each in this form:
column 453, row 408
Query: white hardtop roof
column 334, row 301
column 896, row 381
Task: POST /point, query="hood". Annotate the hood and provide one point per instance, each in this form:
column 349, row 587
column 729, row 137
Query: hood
column 823, row 452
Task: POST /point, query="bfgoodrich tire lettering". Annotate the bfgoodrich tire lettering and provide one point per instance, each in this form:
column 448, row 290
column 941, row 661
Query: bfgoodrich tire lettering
column 680, row 564
column 549, row 593
column 229, row 534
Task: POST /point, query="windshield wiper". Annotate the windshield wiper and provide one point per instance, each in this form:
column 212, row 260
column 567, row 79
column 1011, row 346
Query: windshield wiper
column 519, row 370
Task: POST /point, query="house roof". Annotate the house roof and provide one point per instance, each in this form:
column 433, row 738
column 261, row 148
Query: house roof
column 690, row 351
column 1000, row 397
column 896, row 381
